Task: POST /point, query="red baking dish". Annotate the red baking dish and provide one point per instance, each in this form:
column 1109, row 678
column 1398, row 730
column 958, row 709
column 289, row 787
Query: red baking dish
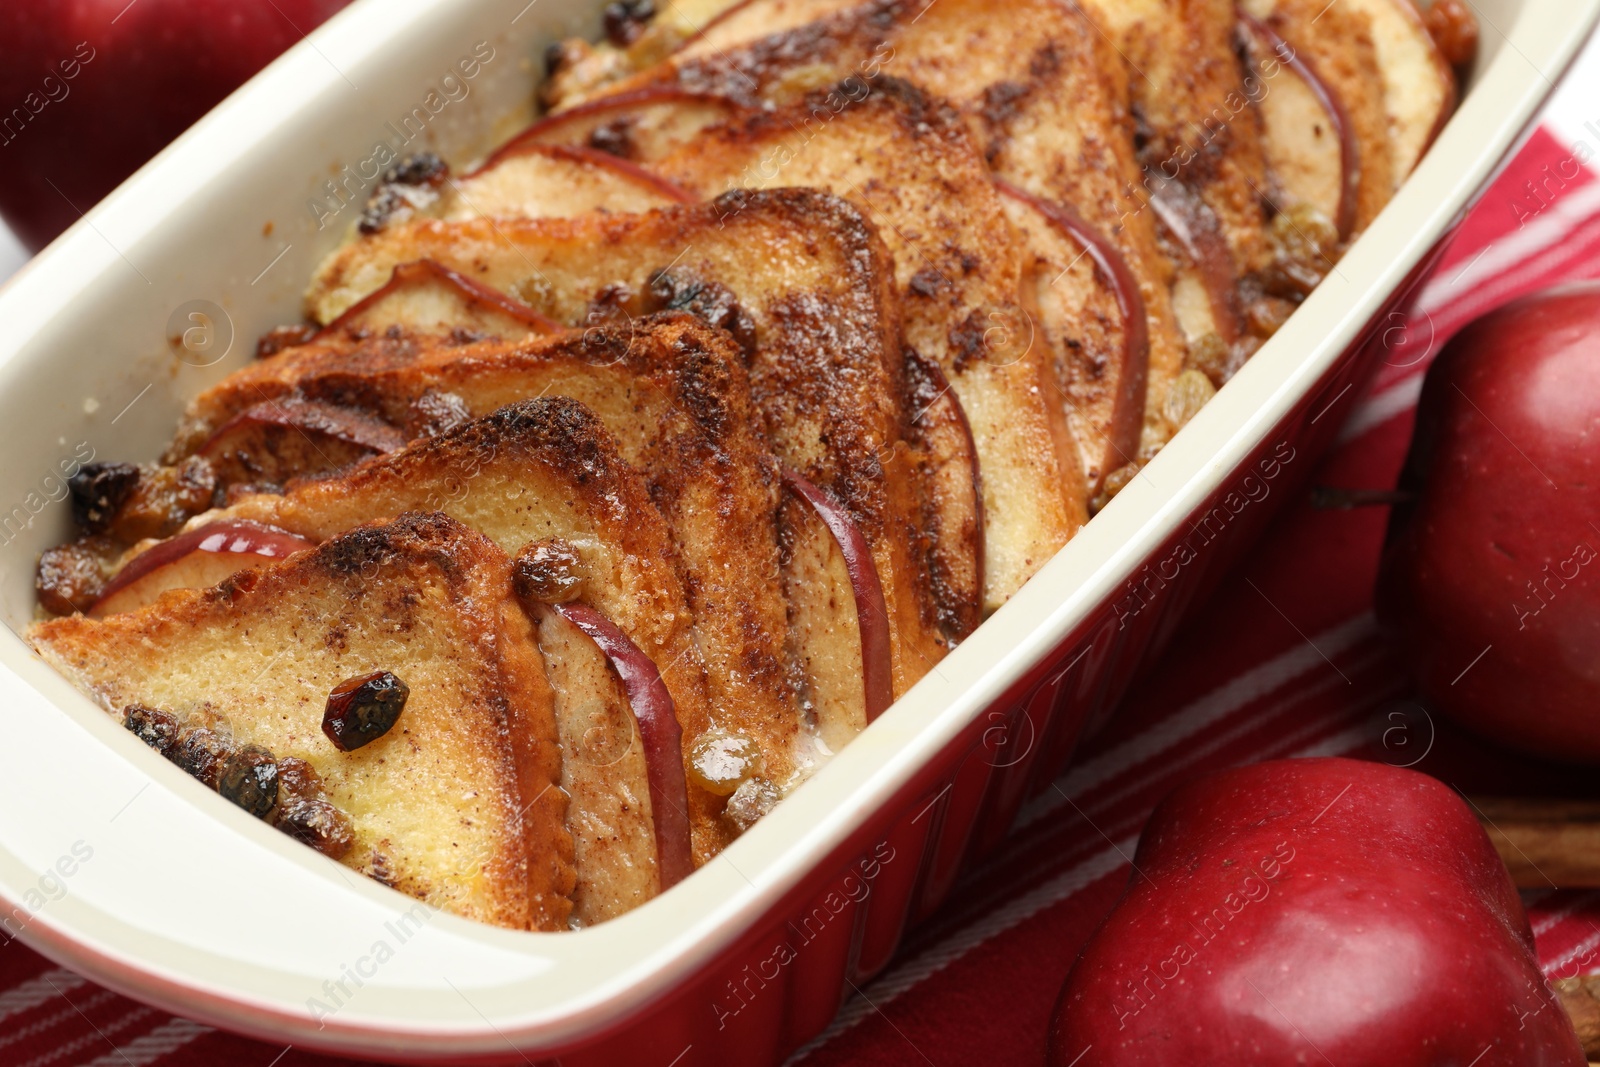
column 189, row 904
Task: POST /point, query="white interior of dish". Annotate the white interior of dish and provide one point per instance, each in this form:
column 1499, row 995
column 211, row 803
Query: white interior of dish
column 189, row 902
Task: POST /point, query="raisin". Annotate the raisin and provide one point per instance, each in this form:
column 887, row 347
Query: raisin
column 678, row 290
column 720, row 761
column 1188, row 393
column 156, row 728
column 364, row 708
column 1115, row 483
column 1454, row 29
column 549, row 572
column 249, row 778
column 200, row 753
column 98, row 490
column 315, row 822
column 625, row 20
column 278, row 338
column 71, row 576
column 163, row 499
column 306, row 814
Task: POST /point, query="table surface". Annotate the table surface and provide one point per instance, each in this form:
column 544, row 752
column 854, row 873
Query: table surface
column 1284, row 661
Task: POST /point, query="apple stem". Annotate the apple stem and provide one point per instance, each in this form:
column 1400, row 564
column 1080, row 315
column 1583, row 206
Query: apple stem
column 1333, row 498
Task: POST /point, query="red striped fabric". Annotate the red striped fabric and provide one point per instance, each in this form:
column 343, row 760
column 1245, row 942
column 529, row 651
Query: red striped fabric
column 976, row 983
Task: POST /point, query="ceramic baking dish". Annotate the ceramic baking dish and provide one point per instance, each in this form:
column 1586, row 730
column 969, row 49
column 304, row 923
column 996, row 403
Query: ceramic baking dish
column 113, row 863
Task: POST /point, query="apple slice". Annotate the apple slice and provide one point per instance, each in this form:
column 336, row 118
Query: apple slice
column 872, row 611
column 1419, row 88
column 537, row 180
column 197, row 559
column 426, row 296
column 1115, row 415
column 622, row 125
column 659, row 731
column 1309, row 141
column 279, row 439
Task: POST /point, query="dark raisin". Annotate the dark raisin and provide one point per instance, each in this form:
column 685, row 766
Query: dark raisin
column 625, row 20
column 424, row 168
column 678, row 290
column 382, row 206
column 98, row 490
column 555, row 57
column 249, row 778
column 200, row 753
column 278, row 338
column 363, row 709
column 614, row 138
column 317, row 823
column 156, row 728
column 549, row 572
column 434, row 413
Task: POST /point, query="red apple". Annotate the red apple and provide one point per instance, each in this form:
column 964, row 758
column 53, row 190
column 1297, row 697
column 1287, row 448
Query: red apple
column 90, row 89
column 657, row 716
column 1324, row 911
column 1491, row 577
column 872, row 610
column 197, row 559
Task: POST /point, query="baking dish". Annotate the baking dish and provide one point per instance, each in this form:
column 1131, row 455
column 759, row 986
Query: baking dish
column 115, row 864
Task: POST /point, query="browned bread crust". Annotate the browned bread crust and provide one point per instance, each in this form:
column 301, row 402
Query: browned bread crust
column 456, row 805
column 533, row 471
column 1046, row 103
column 813, row 282
column 675, row 396
column 908, row 162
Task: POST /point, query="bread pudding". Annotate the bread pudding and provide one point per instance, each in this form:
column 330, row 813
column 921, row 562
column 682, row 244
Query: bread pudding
column 617, row 480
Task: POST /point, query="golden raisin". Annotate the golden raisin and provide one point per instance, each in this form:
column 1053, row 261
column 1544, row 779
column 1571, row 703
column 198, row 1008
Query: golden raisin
column 550, row 572
column 720, row 761
column 1188, row 393
column 1454, row 29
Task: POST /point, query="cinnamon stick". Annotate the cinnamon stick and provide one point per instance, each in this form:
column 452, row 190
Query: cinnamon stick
column 1545, row 843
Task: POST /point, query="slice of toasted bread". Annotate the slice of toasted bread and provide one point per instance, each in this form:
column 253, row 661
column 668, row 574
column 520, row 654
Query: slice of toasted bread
column 908, row 163
column 801, row 278
column 674, row 394
column 1047, row 109
column 455, row 805
column 539, row 470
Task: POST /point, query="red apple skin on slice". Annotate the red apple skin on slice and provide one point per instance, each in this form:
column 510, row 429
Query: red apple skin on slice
column 657, row 720
column 279, row 439
column 197, row 559
column 1310, row 142
column 427, row 296
column 1115, row 415
column 872, row 610
column 620, row 124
